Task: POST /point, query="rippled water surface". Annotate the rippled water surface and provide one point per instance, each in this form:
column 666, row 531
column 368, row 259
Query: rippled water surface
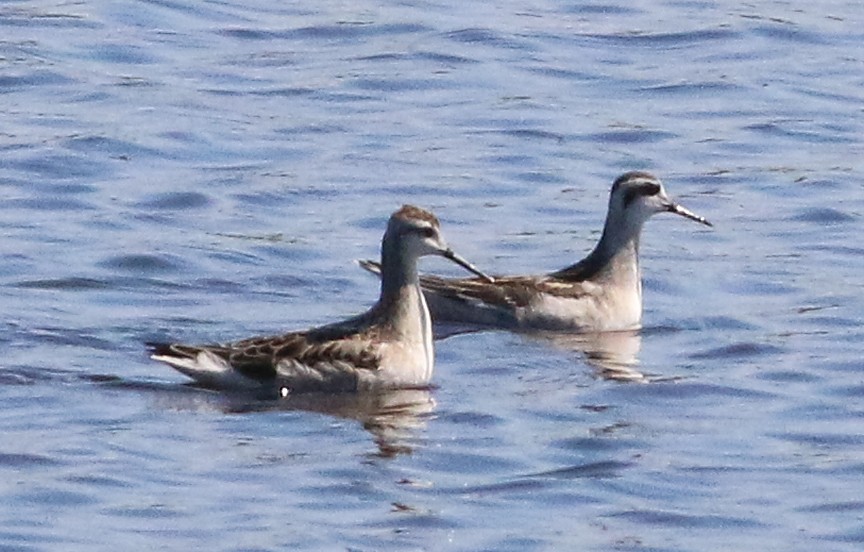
column 211, row 170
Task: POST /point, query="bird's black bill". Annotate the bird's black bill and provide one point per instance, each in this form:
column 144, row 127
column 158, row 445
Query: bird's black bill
column 456, row 258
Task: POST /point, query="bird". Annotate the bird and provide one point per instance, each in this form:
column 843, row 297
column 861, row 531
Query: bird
column 388, row 346
column 600, row 293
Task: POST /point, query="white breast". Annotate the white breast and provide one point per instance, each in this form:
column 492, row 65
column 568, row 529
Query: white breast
column 409, row 360
column 428, row 346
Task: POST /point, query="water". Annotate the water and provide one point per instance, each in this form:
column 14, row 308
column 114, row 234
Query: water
column 210, row 170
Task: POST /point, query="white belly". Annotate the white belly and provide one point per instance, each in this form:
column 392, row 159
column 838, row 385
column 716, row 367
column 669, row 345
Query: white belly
column 594, row 313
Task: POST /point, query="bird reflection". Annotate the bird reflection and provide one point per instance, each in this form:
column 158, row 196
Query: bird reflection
column 393, row 417
column 614, row 355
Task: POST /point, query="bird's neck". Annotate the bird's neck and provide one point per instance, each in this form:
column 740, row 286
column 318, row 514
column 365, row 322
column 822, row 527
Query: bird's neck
column 617, row 253
column 614, row 261
column 616, row 256
column 398, row 268
column 402, row 303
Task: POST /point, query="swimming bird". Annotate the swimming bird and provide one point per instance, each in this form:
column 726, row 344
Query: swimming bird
column 388, row 346
column 602, row 292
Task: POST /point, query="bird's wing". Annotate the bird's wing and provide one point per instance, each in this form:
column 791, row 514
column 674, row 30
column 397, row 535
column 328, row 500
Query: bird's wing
column 328, row 358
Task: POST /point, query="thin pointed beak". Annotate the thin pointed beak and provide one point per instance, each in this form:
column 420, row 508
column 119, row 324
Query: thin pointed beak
column 678, row 210
column 458, row 259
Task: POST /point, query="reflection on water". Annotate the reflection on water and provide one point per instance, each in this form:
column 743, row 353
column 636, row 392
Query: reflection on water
column 615, row 355
column 392, row 417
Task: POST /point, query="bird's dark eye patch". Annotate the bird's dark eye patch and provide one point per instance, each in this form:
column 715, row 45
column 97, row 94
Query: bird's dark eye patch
column 645, row 189
column 427, row 232
column 650, row 189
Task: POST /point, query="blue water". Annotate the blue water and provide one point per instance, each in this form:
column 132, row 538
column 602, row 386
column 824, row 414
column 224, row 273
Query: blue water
column 210, row 170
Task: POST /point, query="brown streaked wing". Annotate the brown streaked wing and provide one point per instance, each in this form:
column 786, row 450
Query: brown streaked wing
column 257, row 357
column 506, row 291
column 558, row 287
column 358, row 353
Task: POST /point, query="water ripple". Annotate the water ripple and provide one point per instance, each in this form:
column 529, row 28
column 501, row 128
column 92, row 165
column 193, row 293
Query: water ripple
column 593, row 470
column 487, row 37
column 667, row 40
column 739, row 350
column 58, row 166
column 142, row 264
column 31, row 18
column 176, row 201
column 65, row 284
column 824, row 215
column 635, row 136
column 25, row 461
column 16, row 83
column 343, row 31
column 686, row 520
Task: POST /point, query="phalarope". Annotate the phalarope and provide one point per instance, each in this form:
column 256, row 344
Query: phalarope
column 389, row 346
column 602, row 292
